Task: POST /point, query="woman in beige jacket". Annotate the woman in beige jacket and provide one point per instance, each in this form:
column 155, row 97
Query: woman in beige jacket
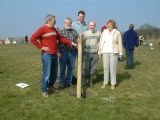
column 110, row 47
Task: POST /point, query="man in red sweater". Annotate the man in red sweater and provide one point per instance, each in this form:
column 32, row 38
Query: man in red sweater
column 45, row 38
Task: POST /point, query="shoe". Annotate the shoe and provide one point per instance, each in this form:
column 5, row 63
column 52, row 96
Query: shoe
column 104, row 86
column 62, row 87
column 127, row 68
column 52, row 90
column 132, row 67
column 45, row 95
column 113, row 87
column 68, row 85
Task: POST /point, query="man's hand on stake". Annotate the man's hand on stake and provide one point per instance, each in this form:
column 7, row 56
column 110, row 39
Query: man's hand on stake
column 74, row 44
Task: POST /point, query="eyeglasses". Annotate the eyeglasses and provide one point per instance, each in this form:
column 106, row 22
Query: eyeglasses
column 91, row 25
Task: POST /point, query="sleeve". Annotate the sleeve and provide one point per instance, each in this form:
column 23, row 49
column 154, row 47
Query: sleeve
column 100, row 34
column 63, row 39
column 100, row 43
column 137, row 40
column 36, row 37
column 124, row 39
column 99, row 39
column 120, row 44
column 76, row 35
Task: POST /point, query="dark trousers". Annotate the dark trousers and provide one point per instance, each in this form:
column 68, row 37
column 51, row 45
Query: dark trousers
column 67, row 62
column 129, row 58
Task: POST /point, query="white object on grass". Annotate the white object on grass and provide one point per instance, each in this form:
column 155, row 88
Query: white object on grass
column 150, row 44
column 108, row 98
column 152, row 48
column 22, row 85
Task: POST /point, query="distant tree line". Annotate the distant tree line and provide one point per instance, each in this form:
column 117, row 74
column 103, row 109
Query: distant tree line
column 149, row 31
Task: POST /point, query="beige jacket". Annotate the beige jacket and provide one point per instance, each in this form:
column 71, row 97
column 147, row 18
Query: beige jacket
column 116, row 41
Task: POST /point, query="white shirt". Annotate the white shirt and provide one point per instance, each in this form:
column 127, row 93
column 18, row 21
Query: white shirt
column 108, row 39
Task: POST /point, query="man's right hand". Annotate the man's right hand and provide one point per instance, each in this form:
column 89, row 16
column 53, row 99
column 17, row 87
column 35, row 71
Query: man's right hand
column 46, row 49
column 74, row 44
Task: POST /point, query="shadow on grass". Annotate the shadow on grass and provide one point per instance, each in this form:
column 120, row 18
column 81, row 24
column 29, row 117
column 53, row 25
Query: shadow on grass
column 99, row 78
column 1, row 72
column 120, row 77
column 137, row 63
column 123, row 76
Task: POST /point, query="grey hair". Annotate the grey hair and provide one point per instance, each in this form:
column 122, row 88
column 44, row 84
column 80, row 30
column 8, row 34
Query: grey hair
column 131, row 26
column 48, row 17
column 68, row 18
column 92, row 21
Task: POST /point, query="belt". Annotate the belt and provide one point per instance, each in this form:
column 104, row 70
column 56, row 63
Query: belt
column 68, row 48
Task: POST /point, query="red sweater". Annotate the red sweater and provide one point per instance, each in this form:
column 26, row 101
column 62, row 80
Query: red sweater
column 47, row 37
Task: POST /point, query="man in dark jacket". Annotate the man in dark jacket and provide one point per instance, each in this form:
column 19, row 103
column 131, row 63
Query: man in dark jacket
column 130, row 41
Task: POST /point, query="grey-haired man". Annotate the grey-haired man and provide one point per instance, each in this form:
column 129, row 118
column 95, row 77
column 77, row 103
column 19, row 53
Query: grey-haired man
column 45, row 38
column 67, row 54
column 91, row 41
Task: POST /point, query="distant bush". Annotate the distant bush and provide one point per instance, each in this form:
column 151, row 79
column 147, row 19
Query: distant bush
column 149, row 31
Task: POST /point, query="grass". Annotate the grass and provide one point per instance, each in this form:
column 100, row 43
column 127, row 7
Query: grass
column 137, row 96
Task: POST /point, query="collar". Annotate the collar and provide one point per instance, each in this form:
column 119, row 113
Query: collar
column 94, row 31
column 111, row 30
column 131, row 30
column 70, row 29
column 84, row 23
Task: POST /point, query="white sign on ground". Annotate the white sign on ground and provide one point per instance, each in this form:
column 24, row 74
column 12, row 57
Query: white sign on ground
column 22, row 85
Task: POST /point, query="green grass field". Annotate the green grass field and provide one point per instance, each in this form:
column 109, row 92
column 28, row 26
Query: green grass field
column 137, row 96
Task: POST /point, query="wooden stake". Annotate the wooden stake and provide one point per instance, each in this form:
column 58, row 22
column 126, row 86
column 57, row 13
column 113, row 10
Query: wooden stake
column 79, row 68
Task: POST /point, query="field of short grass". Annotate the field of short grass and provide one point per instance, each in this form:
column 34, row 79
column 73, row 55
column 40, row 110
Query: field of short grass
column 137, row 96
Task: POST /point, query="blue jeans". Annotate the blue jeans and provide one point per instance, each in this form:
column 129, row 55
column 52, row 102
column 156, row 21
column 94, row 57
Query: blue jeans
column 50, row 67
column 67, row 61
column 129, row 58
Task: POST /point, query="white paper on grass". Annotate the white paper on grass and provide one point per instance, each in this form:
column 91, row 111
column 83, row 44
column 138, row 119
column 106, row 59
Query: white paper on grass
column 152, row 48
column 22, row 85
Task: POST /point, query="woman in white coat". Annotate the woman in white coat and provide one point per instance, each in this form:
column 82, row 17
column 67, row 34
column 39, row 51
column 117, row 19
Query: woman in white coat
column 110, row 47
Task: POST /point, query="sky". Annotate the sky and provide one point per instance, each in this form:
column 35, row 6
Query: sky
column 22, row 17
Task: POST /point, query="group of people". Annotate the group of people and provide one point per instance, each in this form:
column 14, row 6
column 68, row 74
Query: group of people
column 62, row 45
